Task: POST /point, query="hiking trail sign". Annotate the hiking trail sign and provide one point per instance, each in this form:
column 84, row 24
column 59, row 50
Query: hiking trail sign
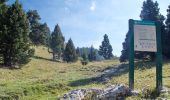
column 145, row 36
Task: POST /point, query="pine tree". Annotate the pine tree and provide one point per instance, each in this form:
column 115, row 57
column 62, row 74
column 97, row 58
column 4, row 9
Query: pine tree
column 167, row 42
column 150, row 11
column 34, row 19
column 39, row 32
column 105, row 49
column 92, row 54
column 84, row 55
column 70, row 52
column 78, row 51
column 3, row 6
column 163, row 35
column 85, row 59
column 3, row 9
column 57, row 43
column 45, row 34
column 124, row 53
column 15, row 31
column 3, row 1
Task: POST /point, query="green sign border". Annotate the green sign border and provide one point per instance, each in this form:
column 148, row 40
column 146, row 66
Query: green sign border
column 158, row 53
column 137, row 22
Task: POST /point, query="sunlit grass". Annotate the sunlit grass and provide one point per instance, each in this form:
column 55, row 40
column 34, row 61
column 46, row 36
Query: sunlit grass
column 43, row 79
column 34, row 79
column 145, row 77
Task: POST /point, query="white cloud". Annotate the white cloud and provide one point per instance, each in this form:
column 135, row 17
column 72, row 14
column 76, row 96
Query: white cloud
column 93, row 6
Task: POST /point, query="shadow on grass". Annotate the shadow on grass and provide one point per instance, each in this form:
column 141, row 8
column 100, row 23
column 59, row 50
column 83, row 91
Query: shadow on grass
column 18, row 67
column 83, row 82
column 37, row 57
column 142, row 65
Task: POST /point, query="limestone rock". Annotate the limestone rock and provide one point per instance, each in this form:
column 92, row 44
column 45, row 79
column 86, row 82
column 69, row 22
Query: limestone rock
column 79, row 94
column 112, row 92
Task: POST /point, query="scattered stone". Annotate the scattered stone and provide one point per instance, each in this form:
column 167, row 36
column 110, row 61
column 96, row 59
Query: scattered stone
column 114, row 92
column 134, row 93
column 79, row 94
column 163, row 99
column 110, row 93
column 163, row 90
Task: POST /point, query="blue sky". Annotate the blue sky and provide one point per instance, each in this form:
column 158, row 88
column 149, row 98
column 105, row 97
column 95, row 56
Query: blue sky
column 86, row 21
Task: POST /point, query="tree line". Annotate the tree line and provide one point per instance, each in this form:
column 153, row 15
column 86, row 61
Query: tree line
column 62, row 51
column 151, row 11
column 92, row 54
column 20, row 31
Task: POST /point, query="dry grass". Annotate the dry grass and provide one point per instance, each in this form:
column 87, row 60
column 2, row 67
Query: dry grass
column 43, row 79
column 40, row 73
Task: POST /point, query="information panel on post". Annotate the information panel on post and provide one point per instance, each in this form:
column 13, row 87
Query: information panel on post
column 145, row 36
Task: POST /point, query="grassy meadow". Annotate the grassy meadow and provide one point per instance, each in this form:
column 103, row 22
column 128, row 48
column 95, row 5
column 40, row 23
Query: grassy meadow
column 43, row 79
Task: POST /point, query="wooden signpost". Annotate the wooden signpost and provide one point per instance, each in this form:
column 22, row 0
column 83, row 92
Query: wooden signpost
column 145, row 36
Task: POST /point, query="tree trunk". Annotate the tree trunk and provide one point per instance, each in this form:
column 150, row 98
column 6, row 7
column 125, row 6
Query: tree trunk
column 7, row 61
column 54, row 56
column 59, row 56
column 7, row 58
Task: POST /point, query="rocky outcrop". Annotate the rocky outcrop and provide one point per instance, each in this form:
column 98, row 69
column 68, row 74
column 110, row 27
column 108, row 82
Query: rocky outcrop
column 117, row 92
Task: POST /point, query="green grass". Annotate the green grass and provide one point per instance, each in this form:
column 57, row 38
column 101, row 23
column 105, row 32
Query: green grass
column 43, row 79
column 145, row 78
